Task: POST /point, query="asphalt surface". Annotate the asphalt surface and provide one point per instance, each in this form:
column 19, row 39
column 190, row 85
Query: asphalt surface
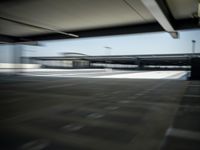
column 50, row 113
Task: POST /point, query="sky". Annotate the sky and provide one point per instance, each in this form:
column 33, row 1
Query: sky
column 145, row 43
column 148, row 43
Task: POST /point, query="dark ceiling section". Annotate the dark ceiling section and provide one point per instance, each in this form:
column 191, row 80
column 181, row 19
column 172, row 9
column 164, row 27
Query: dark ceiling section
column 36, row 20
column 181, row 9
column 7, row 39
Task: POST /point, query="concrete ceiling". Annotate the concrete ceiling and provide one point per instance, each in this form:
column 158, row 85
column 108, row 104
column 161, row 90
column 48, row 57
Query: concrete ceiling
column 183, row 8
column 24, row 19
column 71, row 14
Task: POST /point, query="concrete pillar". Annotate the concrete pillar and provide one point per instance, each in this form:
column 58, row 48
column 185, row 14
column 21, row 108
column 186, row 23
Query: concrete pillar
column 138, row 62
column 195, row 68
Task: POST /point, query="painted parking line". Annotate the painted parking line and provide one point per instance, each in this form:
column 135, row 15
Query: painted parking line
column 56, row 86
column 195, row 85
column 183, row 133
column 191, row 95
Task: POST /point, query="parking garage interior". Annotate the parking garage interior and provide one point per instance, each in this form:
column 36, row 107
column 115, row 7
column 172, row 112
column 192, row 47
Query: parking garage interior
column 76, row 101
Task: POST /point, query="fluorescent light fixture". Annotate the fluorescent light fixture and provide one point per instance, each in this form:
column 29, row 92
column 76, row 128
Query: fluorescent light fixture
column 158, row 14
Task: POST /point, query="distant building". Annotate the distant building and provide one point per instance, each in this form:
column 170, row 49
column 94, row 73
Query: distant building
column 78, row 60
column 68, row 60
column 71, row 54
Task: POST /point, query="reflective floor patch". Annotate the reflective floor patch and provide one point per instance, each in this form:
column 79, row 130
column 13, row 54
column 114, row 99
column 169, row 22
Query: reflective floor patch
column 35, row 145
column 72, row 127
column 95, row 115
column 112, row 107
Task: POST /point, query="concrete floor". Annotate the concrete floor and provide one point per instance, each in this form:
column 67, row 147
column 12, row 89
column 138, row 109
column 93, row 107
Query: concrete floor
column 49, row 113
column 101, row 73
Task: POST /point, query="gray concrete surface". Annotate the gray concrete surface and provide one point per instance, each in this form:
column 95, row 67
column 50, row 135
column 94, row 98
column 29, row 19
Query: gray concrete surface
column 100, row 73
column 49, row 113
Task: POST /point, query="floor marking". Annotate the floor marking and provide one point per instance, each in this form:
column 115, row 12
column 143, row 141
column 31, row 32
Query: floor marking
column 195, row 85
column 95, row 115
column 72, row 127
column 35, row 145
column 112, row 107
column 56, row 86
column 183, row 133
column 187, row 95
column 125, row 101
column 190, row 108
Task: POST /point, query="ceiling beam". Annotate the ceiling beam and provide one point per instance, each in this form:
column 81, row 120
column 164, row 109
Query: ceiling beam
column 6, row 39
column 183, row 24
column 107, row 31
column 161, row 12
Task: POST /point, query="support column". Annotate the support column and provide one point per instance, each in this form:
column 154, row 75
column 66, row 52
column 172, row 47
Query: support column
column 140, row 66
column 195, row 68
